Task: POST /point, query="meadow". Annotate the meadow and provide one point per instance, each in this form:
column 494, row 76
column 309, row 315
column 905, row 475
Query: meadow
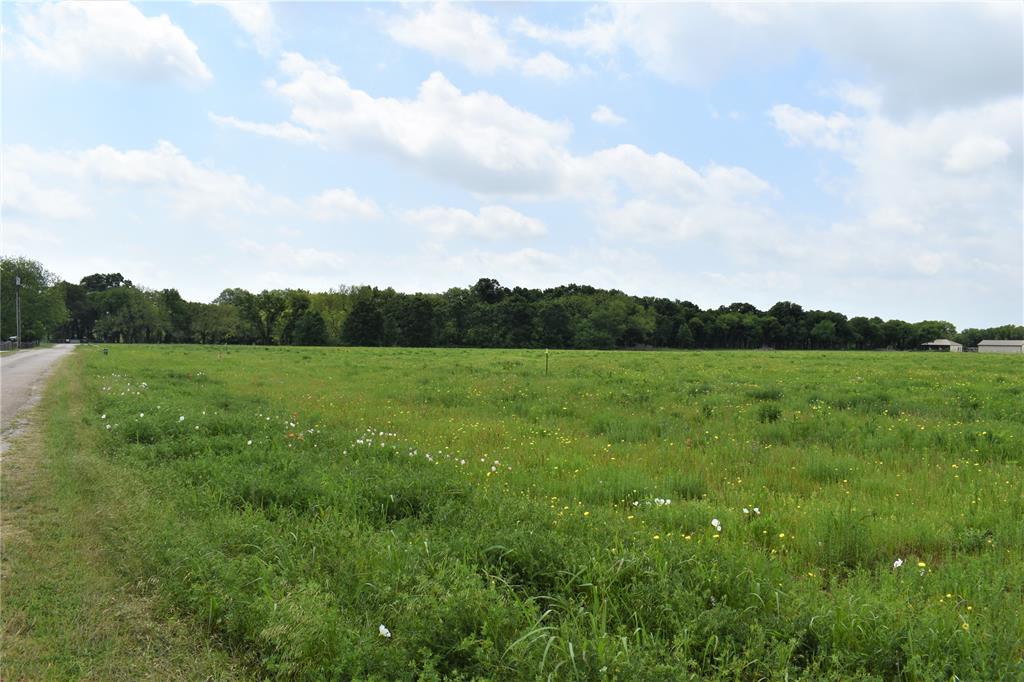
column 431, row 514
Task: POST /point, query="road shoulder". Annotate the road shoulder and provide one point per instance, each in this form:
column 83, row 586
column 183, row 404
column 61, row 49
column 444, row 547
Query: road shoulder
column 65, row 612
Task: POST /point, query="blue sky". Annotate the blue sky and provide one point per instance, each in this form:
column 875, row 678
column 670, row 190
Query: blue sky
column 857, row 157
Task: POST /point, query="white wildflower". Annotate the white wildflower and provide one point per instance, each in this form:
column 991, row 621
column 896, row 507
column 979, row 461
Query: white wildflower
column 896, row 564
column 717, row 524
column 757, row 510
column 103, row 416
column 142, row 414
column 249, row 442
column 384, row 632
column 746, row 511
column 181, row 418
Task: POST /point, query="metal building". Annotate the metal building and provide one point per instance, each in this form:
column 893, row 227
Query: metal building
column 1001, row 346
column 943, row 345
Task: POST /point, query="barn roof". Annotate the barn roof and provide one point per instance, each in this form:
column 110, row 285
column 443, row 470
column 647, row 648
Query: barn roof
column 1002, row 342
column 941, row 342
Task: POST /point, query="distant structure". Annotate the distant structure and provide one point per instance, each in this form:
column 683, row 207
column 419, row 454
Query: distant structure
column 1001, row 346
column 944, row 346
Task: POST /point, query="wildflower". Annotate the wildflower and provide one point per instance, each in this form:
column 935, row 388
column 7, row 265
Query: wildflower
column 384, row 632
column 896, row 564
column 782, row 536
column 921, row 564
column 108, row 427
column 249, row 442
column 965, row 626
column 746, row 511
column 103, row 416
column 757, row 510
column 657, row 537
column 181, row 418
column 142, row 414
column 717, row 524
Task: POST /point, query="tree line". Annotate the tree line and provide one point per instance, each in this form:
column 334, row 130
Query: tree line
column 112, row 309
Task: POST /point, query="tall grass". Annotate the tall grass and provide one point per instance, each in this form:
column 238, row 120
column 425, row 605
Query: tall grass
column 507, row 524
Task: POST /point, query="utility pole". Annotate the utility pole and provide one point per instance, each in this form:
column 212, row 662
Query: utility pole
column 17, row 307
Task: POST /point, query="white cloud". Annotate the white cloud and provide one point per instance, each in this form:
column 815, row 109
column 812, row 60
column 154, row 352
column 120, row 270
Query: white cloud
column 933, row 196
column 483, row 144
column 604, row 115
column 917, row 56
column 342, row 204
column 810, row 127
column 282, row 131
column 976, row 152
column 284, row 256
column 456, row 32
column 255, row 17
column 547, row 65
column 75, row 180
column 107, row 38
column 477, row 140
column 491, row 222
column 21, row 196
column 473, row 39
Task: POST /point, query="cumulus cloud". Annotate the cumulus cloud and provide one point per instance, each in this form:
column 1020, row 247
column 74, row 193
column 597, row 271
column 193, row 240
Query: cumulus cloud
column 477, row 140
column 256, row 18
column 976, row 152
column 342, row 204
column 491, row 222
column 59, row 184
column 604, row 115
column 112, row 39
column 455, row 32
column 482, row 143
column 461, row 34
column 938, row 195
column 284, row 256
column 810, row 127
column 918, row 56
column 546, row 65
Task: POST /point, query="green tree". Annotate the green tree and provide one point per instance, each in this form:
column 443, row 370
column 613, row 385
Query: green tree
column 215, row 323
column 364, row 325
column 42, row 303
column 128, row 315
column 823, row 334
column 310, row 330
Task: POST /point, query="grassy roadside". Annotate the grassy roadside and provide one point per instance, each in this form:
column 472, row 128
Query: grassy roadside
column 65, row 612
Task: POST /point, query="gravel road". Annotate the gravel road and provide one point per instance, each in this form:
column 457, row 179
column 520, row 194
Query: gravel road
column 22, row 376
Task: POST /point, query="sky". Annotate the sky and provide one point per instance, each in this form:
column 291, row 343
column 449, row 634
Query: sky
column 862, row 158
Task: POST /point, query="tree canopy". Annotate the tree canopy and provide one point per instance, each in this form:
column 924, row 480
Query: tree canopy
column 108, row 307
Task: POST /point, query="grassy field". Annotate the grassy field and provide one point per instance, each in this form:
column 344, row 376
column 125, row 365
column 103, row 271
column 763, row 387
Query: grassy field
column 458, row 514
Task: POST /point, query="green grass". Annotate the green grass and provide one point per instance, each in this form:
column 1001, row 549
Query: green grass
column 504, row 524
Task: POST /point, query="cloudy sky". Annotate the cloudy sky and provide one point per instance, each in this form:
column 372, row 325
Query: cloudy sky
column 853, row 157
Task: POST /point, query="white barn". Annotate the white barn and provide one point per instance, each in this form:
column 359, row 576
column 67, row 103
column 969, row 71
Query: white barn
column 1001, row 346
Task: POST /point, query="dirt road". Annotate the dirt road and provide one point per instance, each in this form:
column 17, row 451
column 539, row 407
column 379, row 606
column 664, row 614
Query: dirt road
column 22, row 376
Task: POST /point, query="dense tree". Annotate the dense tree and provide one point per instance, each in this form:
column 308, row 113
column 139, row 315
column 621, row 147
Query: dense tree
column 129, row 315
column 364, row 325
column 216, row 323
column 81, row 312
column 311, row 330
column 43, row 309
column 486, row 314
column 98, row 282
